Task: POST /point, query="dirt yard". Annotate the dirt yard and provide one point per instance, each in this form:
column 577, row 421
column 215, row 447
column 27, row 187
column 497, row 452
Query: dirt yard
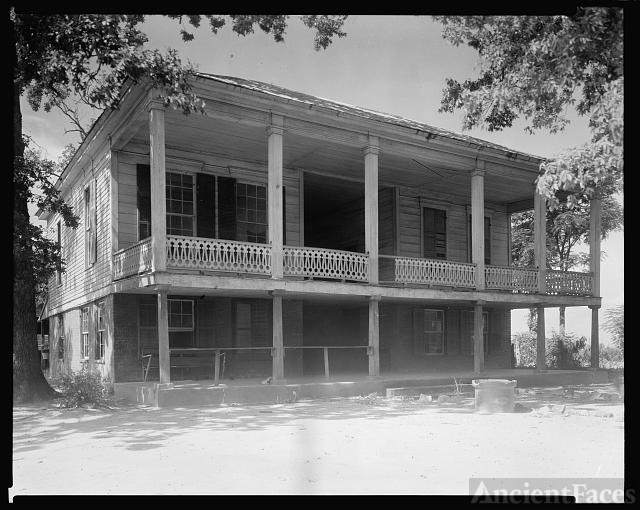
column 364, row 445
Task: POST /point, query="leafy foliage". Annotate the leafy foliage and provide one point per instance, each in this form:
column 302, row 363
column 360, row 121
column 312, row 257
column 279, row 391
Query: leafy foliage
column 537, row 66
column 614, row 324
column 83, row 387
column 34, row 181
column 566, row 227
column 561, row 351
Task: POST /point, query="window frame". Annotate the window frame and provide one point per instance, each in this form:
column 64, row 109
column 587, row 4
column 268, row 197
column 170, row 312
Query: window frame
column 194, row 197
column 445, row 211
column 247, row 222
column 84, row 334
column 101, row 334
column 441, row 313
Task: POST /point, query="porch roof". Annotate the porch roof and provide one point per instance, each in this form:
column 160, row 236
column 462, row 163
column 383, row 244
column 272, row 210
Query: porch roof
column 291, row 95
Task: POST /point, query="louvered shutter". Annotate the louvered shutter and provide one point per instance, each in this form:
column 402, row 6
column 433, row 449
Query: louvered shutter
column 226, row 208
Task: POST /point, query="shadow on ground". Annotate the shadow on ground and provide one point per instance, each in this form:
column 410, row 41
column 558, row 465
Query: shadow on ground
column 145, row 428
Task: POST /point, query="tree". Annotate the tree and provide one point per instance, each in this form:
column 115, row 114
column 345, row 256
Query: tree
column 59, row 59
column 566, row 227
column 536, row 67
column 614, row 324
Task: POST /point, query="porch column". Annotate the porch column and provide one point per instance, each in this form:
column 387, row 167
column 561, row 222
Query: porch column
column 540, row 240
column 595, row 337
column 477, row 222
column 595, row 235
column 278, row 340
column 371, row 152
column 274, row 194
column 158, row 186
column 163, row 337
column 478, row 338
column 374, row 336
column 541, row 362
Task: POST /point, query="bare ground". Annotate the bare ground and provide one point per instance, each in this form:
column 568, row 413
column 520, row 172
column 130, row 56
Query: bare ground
column 363, row 445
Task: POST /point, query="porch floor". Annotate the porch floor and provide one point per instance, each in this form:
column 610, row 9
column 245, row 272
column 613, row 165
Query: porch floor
column 252, row 391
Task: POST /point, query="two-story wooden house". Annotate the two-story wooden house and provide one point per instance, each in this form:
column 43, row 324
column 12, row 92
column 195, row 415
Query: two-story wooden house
column 287, row 235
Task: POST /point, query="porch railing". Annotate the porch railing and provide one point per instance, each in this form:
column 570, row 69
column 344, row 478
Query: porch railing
column 434, row 272
column 134, row 260
column 218, row 255
column 569, row 283
column 325, row 263
column 515, row 279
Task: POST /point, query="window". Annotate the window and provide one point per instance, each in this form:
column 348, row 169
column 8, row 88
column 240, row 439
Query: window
column 180, row 212
column 428, row 331
column 100, row 333
column 434, row 233
column 84, row 329
column 251, row 213
column 60, row 336
column 487, row 240
column 59, row 264
column 181, row 323
column 466, row 331
column 90, row 237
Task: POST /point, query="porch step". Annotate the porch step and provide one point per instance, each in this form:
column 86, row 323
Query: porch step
column 430, row 389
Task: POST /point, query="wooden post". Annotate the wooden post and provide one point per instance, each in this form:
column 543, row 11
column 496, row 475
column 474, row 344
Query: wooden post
column 274, row 193
column 477, row 222
column 158, row 186
column 113, row 184
column 326, row 362
column 278, row 340
column 374, row 336
column 595, row 235
column 595, row 338
column 301, row 207
column 216, row 368
column 163, row 338
column 371, row 152
column 540, row 240
column 478, row 339
column 541, row 362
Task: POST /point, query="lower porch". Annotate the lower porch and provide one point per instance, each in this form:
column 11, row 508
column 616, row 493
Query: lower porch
column 252, row 391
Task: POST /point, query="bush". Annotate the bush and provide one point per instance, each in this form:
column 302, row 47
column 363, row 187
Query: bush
column 563, row 352
column 83, row 387
column 611, row 357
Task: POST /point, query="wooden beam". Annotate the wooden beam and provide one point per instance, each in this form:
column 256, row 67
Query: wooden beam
column 158, row 186
column 278, row 340
column 374, row 337
column 541, row 362
column 477, row 222
column 163, row 338
column 595, row 236
column 274, row 194
column 371, row 152
column 520, row 205
column 540, row 240
column 478, row 339
column 595, row 338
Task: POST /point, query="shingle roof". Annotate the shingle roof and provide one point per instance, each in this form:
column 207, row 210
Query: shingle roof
column 283, row 93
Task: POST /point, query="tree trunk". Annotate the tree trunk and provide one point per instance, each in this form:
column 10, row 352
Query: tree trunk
column 29, row 382
column 562, row 320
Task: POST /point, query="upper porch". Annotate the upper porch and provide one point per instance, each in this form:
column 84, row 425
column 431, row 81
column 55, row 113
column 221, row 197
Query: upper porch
column 360, row 196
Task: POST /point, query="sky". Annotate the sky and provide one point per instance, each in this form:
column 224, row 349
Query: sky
column 393, row 64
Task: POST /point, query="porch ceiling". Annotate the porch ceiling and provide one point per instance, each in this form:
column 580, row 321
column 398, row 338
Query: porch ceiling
column 418, row 169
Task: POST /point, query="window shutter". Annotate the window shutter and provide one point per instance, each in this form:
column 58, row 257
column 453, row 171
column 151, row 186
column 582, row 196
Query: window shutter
column 226, row 208
column 143, row 180
column 487, row 240
column 206, row 205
